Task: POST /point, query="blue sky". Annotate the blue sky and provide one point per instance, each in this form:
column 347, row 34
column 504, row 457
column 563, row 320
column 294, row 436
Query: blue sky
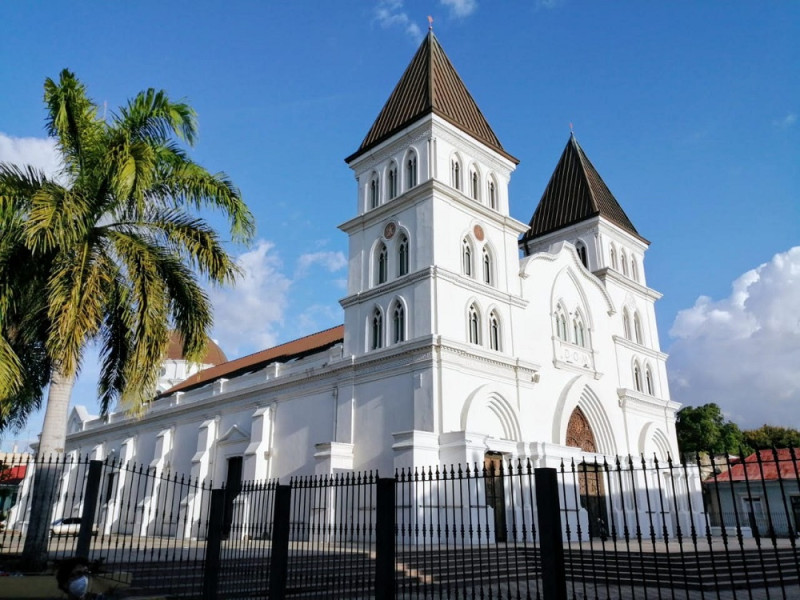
column 689, row 110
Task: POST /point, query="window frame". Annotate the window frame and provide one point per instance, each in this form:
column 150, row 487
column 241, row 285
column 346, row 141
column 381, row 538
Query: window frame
column 382, row 267
column 402, row 255
column 398, row 323
column 376, row 329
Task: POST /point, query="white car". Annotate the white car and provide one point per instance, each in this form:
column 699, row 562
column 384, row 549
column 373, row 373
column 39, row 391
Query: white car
column 68, row 526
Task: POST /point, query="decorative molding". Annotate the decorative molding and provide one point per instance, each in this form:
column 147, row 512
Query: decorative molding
column 639, row 348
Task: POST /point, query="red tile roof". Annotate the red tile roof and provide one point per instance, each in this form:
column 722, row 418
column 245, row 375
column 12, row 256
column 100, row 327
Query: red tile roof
column 430, row 84
column 310, row 344
column 762, row 465
column 13, row 475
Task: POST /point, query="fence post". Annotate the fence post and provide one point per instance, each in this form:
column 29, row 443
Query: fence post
column 89, row 506
column 279, row 562
column 384, row 539
column 213, row 544
column 554, row 583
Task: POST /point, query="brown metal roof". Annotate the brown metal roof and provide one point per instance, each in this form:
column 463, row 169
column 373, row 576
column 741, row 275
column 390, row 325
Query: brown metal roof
column 310, row 344
column 430, row 84
column 576, row 192
column 213, row 356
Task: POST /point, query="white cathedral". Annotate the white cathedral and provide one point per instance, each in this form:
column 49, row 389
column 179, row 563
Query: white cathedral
column 466, row 333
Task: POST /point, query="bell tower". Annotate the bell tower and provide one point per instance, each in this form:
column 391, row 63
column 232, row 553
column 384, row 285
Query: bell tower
column 433, row 250
column 577, row 207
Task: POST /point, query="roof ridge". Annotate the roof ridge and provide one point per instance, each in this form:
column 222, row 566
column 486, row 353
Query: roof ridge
column 583, row 159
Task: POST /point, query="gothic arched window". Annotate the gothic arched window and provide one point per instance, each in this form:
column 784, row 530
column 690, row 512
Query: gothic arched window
column 474, row 325
column 580, row 247
column 492, row 195
column 377, row 330
column 624, row 260
column 466, row 258
column 474, row 184
column 383, row 263
column 374, row 191
column 579, row 331
column 455, row 173
column 392, row 177
column 411, row 170
column 637, row 377
column 634, row 269
column 626, row 323
column 402, row 255
column 398, row 323
column 561, row 325
column 494, row 332
column 648, row 381
column 487, row 266
column 613, row 253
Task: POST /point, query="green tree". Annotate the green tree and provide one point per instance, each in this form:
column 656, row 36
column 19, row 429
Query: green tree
column 122, row 249
column 772, row 436
column 704, row 429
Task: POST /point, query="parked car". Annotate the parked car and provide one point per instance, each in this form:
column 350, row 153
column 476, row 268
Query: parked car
column 68, row 526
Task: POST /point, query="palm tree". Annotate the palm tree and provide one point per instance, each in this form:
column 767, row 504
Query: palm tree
column 122, row 248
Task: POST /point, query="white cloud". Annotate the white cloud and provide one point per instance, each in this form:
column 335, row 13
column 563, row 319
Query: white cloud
column 460, row 8
column 36, row 152
column 786, row 121
column 743, row 352
column 247, row 315
column 390, row 13
column 329, row 260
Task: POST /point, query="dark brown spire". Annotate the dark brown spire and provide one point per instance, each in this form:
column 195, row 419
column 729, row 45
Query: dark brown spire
column 430, row 84
column 576, row 192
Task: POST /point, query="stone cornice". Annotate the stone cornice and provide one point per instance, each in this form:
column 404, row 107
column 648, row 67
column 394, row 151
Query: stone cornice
column 643, row 404
column 477, row 287
column 489, row 357
column 639, row 348
column 387, row 288
column 387, row 211
column 624, row 281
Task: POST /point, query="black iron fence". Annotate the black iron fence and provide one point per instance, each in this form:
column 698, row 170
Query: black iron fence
column 588, row 528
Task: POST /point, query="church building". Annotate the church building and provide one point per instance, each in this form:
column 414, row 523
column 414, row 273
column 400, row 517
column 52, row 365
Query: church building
column 467, row 335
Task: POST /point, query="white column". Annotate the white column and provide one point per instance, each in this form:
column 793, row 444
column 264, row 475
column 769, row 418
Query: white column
column 258, row 454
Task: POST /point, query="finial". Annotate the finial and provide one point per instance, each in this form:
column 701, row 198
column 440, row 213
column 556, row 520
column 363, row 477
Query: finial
column 571, row 129
column 430, row 23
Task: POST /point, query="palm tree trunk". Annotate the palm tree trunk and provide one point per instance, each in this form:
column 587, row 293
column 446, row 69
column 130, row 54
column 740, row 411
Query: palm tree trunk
column 48, row 468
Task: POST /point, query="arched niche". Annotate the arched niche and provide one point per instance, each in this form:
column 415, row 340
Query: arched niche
column 579, row 432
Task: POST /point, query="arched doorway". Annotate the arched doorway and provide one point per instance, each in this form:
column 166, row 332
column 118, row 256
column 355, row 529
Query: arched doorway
column 590, row 475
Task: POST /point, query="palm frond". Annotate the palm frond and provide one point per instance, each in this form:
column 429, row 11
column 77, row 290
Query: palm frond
column 151, row 115
column 191, row 184
column 71, row 118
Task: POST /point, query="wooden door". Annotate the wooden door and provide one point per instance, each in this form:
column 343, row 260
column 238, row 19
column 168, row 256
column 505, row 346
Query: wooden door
column 495, row 492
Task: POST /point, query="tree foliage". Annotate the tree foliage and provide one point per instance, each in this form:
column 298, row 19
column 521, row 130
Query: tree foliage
column 110, row 250
column 704, row 429
column 772, row 436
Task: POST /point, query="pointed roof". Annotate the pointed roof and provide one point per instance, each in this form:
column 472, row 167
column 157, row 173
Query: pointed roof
column 576, row 192
column 430, row 84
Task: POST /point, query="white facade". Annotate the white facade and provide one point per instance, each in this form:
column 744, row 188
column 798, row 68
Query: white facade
column 453, row 345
